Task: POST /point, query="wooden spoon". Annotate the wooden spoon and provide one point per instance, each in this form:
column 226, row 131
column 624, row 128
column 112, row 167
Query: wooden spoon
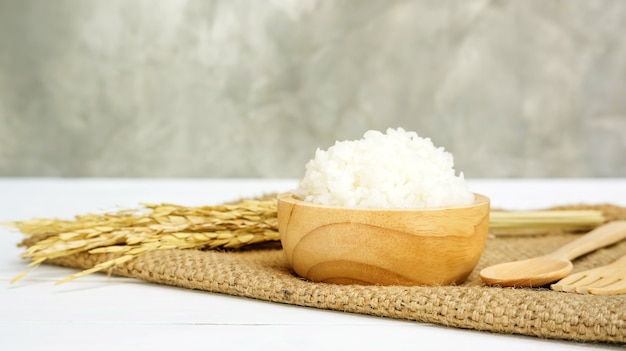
column 546, row 269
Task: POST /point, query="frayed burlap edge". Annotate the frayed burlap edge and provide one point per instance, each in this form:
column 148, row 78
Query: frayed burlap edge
column 265, row 275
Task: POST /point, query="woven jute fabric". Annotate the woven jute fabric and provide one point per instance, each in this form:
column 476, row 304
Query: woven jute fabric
column 265, row 275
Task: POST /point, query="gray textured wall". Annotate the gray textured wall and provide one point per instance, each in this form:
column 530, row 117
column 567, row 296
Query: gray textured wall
column 196, row 88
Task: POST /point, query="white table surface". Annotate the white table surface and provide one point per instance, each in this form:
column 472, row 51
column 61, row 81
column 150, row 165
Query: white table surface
column 111, row 313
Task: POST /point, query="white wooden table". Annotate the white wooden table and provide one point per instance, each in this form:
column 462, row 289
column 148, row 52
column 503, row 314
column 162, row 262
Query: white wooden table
column 110, row 313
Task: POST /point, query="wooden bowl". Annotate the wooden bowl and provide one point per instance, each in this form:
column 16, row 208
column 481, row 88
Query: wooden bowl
column 435, row 246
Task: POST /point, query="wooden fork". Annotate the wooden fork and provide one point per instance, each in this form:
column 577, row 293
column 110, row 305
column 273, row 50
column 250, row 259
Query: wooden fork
column 605, row 280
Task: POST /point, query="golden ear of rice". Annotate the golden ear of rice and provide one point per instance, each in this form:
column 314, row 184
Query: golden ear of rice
column 155, row 227
column 131, row 233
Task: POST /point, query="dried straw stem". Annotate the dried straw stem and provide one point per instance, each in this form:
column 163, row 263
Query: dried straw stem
column 130, row 233
column 161, row 227
column 542, row 222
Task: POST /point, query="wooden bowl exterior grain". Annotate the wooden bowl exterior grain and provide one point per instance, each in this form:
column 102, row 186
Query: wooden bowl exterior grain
column 338, row 245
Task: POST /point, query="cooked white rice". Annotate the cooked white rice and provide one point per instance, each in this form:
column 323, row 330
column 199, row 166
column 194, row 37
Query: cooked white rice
column 398, row 169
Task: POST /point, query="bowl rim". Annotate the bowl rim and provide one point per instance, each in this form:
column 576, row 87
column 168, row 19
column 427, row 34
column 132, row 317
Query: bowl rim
column 290, row 197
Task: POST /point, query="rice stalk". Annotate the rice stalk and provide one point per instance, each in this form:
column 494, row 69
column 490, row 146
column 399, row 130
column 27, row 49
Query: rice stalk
column 131, row 233
column 541, row 222
column 158, row 227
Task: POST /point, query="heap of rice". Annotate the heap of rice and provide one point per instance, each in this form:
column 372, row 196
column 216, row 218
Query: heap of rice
column 398, row 169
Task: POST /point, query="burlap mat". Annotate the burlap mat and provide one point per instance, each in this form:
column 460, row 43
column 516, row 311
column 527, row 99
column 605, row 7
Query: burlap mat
column 265, row 275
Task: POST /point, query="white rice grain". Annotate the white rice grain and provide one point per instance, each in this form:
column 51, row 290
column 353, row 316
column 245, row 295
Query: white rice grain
column 396, row 169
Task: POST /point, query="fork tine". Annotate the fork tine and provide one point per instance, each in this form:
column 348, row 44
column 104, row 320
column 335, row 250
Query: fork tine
column 569, row 283
column 600, row 282
column 588, row 278
column 617, row 287
column 605, row 280
column 563, row 288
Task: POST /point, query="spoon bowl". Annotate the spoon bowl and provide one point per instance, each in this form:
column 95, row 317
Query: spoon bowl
column 531, row 272
column 546, row 269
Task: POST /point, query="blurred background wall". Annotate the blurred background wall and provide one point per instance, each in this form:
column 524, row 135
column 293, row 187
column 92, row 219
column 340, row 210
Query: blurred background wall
column 234, row 88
